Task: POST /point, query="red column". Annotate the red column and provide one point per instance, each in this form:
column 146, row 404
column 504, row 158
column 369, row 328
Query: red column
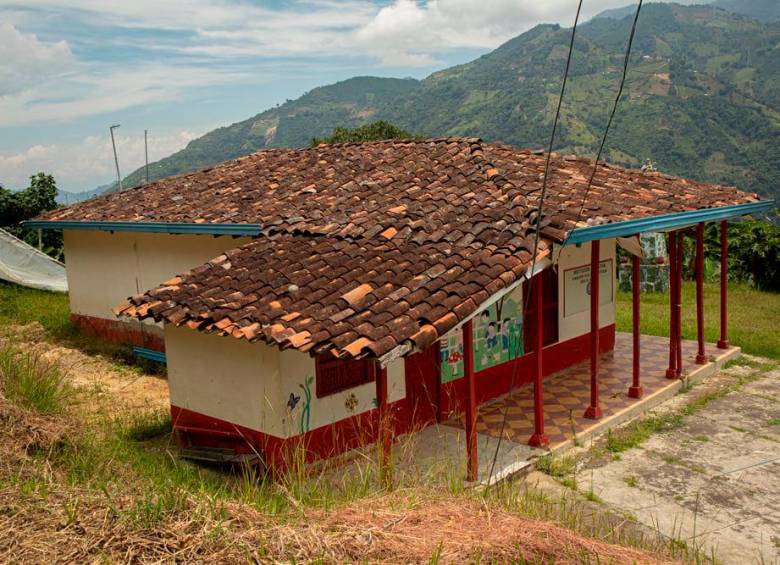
column 635, row 390
column 701, row 358
column 671, row 372
column 723, row 342
column 678, row 305
column 471, row 403
column 538, row 439
column 384, row 431
column 594, row 410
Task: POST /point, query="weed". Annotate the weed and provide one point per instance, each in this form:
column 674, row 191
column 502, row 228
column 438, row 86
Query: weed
column 592, row 496
column 557, row 467
column 31, row 381
column 637, row 432
column 774, row 422
column 146, row 425
column 632, row 481
column 702, row 439
column 437, row 554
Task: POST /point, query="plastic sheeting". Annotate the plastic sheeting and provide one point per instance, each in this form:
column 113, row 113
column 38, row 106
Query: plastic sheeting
column 22, row 264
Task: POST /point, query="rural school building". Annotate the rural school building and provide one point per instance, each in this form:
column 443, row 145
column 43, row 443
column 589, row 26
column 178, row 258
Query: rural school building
column 325, row 298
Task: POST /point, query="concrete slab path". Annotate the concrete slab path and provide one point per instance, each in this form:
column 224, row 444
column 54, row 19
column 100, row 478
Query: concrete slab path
column 715, row 481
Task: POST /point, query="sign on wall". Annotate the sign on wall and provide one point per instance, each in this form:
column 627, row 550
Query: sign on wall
column 497, row 339
column 576, row 287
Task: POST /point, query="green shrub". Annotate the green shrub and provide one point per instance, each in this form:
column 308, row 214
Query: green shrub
column 754, row 252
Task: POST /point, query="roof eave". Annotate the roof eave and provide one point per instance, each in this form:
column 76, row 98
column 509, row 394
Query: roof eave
column 664, row 222
column 148, row 227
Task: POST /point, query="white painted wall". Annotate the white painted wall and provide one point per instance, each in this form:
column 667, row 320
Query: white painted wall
column 571, row 257
column 225, row 378
column 250, row 383
column 104, row 268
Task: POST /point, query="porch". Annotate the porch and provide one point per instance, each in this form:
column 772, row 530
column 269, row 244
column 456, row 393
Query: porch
column 439, row 449
column 567, row 394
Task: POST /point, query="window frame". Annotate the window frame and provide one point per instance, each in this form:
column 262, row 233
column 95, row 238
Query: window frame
column 328, row 362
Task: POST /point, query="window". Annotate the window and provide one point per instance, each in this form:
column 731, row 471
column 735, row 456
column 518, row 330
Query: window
column 335, row 375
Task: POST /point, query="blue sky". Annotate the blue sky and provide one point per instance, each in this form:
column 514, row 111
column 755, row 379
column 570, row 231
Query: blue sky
column 70, row 68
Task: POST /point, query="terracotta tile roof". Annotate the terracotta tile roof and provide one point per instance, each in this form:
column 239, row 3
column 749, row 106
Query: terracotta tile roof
column 458, row 190
column 369, row 246
column 355, row 298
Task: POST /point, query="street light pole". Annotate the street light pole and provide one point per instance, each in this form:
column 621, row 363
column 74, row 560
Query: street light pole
column 116, row 159
column 146, row 157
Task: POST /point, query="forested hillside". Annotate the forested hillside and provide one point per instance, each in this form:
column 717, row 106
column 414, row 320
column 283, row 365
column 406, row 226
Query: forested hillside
column 702, row 99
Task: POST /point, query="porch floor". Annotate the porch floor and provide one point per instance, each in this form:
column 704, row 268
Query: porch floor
column 567, row 394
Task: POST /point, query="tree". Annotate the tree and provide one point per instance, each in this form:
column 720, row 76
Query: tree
column 21, row 205
column 375, row 131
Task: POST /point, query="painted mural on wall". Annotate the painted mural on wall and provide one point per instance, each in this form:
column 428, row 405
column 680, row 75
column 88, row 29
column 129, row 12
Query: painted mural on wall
column 301, row 411
column 498, row 338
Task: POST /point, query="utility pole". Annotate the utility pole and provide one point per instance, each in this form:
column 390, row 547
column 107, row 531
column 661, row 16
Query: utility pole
column 146, row 156
column 116, row 159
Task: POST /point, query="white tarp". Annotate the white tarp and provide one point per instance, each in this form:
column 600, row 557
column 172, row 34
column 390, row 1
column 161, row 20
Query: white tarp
column 23, row 264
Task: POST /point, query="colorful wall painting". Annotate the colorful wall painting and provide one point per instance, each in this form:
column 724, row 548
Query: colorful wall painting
column 304, row 416
column 576, row 287
column 497, row 339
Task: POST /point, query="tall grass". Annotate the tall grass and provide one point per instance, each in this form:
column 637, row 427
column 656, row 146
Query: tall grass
column 20, row 305
column 31, row 381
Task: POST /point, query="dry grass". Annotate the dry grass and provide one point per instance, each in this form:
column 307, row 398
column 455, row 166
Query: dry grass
column 101, row 481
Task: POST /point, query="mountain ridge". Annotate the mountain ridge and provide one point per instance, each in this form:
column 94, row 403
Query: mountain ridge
column 701, row 101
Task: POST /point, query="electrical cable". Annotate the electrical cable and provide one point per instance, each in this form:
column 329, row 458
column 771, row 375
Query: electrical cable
column 612, row 113
column 537, row 235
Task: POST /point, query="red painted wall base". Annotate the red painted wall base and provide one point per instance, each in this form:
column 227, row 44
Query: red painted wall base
column 122, row 333
column 193, row 428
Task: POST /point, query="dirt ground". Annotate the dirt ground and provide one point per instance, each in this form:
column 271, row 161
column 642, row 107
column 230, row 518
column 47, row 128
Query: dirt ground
column 108, row 382
column 715, row 481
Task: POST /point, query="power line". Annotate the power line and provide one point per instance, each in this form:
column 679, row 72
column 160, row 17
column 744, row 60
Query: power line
column 614, row 109
column 538, row 224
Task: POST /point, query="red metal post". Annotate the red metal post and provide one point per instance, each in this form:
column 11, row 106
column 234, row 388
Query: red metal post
column 471, row 403
column 594, row 410
column 678, row 306
column 701, row 358
column 635, row 390
column 723, row 342
column 538, row 439
column 671, row 371
column 384, row 431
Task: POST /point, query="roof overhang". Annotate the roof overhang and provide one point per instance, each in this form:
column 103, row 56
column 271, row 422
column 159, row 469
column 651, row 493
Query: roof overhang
column 148, row 227
column 664, row 222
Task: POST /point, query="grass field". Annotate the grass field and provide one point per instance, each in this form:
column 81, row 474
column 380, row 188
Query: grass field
column 754, row 316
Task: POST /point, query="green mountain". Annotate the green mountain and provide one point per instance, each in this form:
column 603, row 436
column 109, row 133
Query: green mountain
column 764, row 10
column 702, row 99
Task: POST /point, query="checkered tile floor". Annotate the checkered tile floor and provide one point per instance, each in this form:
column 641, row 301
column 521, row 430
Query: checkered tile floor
column 567, row 394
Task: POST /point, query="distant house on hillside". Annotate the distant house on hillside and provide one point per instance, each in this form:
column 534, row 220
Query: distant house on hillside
column 300, row 294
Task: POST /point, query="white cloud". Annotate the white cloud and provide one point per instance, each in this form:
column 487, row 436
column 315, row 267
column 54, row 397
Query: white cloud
column 26, row 61
column 79, row 166
column 406, row 29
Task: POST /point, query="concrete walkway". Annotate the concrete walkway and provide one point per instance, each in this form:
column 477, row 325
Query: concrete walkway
column 714, row 482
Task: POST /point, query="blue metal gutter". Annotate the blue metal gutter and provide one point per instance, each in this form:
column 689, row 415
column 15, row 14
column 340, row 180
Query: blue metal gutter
column 152, row 227
column 664, row 222
column 151, row 354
